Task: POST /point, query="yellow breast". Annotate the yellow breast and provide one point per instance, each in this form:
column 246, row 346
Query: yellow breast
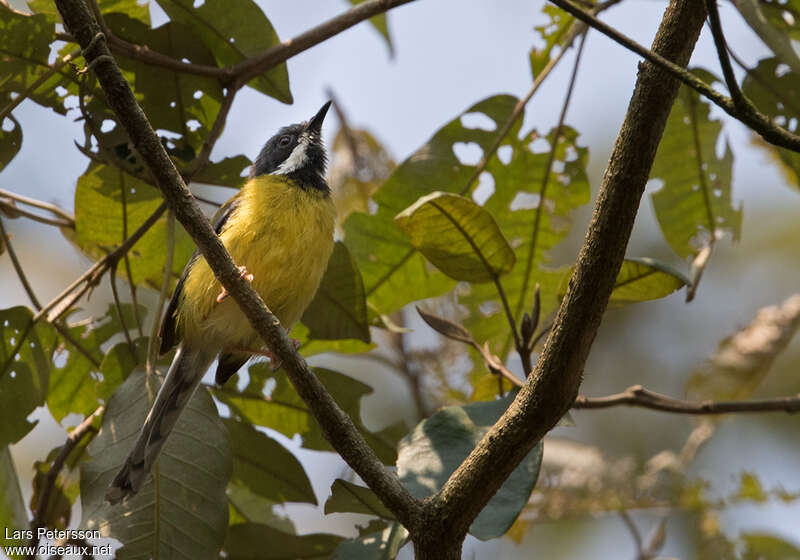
column 283, row 234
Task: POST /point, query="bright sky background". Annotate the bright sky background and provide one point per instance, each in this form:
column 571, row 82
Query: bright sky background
column 450, row 54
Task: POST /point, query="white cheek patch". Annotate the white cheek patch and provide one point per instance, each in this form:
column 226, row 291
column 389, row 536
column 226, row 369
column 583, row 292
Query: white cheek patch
column 297, row 159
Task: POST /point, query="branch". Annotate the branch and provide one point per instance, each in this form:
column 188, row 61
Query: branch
column 252, row 67
column 64, row 218
column 73, row 439
column 552, row 387
column 336, row 425
column 239, row 74
column 748, row 115
column 637, row 395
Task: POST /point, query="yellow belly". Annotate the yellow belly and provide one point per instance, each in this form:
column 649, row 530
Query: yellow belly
column 283, row 234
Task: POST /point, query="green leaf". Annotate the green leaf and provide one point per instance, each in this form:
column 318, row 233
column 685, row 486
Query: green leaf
column 10, row 140
column 761, row 546
column 381, row 545
column 227, row 172
column 772, row 25
column 347, row 497
column 185, row 509
column 381, row 25
column 694, row 206
column 283, row 410
column 78, row 386
column 641, row 279
column 266, row 467
column 339, row 310
column 750, row 489
column 13, row 514
column 183, row 104
column 552, row 34
column 25, row 46
column 25, row 352
column 439, row 444
column 132, row 8
column 99, row 222
column 309, row 347
column 394, row 273
column 777, row 93
column 533, row 208
column 459, row 237
column 247, row 507
column 252, row 541
column 234, row 30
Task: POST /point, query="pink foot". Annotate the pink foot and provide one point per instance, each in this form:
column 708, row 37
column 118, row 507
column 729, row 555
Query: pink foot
column 242, row 274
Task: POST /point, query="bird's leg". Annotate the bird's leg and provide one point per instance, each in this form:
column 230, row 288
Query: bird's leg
column 275, row 363
column 242, row 274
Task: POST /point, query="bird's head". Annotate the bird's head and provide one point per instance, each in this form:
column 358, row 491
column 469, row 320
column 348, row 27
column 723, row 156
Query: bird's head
column 297, row 152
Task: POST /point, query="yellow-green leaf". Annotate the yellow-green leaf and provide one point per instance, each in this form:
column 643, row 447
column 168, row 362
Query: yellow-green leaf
column 459, row 237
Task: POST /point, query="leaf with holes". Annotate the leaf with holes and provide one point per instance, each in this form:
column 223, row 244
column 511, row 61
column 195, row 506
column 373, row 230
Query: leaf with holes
column 266, row 467
column 347, row 497
column 79, row 385
column 776, row 92
column 182, row 506
column 552, row 34
column 394, row 273
column 339, row 310
column 25, row 352
column 438, row 445
column 537, row 186
column 459, row 237
column 185, row 115
column 694, row 205
column 10, row 135
column 234, row 30
column 25, row 44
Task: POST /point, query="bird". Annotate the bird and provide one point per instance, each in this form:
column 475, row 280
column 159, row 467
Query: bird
column 279, row 229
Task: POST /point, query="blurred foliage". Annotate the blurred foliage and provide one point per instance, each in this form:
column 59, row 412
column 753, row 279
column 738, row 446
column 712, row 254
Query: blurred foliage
column 469, row 221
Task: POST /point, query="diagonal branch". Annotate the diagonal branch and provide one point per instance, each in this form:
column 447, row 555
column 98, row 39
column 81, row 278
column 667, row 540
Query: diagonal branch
column 337, row 427
column 747, row 114
column 553, row 386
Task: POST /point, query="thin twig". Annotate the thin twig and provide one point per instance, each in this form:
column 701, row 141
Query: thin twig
column 124, row 201
column 202, row 159
column 95, row 272
column 747, row 114
column 11, row 210
column 634, row 530
column 18, row 266
column 724, row 60
column 644, row 398
column 62, row 329
column 60, row 212
column 73, row 439
column 524, row 353
column 112, row 279
column 154, row 344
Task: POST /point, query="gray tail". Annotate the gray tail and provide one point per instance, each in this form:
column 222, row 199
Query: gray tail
column 182, row 379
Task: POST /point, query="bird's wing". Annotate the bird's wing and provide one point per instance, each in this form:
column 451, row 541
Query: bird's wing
column 168, row 333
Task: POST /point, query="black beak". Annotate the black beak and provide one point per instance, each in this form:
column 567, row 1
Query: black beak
column 315, row 124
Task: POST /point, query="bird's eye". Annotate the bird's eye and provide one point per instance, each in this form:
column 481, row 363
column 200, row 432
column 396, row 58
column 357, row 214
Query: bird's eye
column 284, row 141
